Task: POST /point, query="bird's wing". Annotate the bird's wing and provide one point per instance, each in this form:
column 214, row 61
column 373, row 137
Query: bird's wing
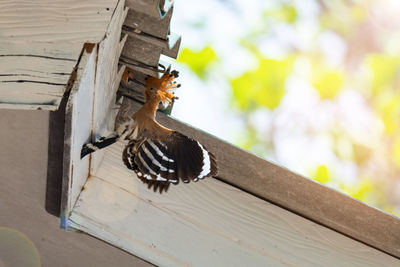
column 170, row 159
column 132, row 159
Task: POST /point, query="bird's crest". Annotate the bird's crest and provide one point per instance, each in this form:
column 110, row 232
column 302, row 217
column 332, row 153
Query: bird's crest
column 165, row 86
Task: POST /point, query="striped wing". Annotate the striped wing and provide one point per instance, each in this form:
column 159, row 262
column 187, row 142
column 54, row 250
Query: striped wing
column 177, row 157
column 129, row 157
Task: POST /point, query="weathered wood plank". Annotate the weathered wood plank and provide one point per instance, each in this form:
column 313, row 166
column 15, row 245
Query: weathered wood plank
column 147, row 50
column 296, row 193
column 89, row 108
column 159, row 236
column 148, row 24
column 35, row 76
column 27, row 68
column 59, row 51
column 107, row 81
column 154, row 8
column 32, row 94
column 55, row 21
column 40, row 44
column 78, row 121
column 174, row 43
column 145, row 69
column 108, row 78
column 210, row 218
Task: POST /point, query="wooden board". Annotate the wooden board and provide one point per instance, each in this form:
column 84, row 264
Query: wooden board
column 55, row 21
column 154, row 8
column 78, row 120
column 34, row 77
column 150, row 25
column 298, row 194
column 108, row 78
column 208, row 223
column 90, row 107
column 146, row 49
column 40, row 45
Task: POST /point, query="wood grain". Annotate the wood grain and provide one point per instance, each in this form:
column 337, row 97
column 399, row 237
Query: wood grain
column 41, row 41
column 146, row 49
column 108, row 78
column 77, row 131
column 34, row 77
column 298, row 194
column 150, row 25
column 208, row 223
column 154, row 8
column 55, row 21
column 90, row 107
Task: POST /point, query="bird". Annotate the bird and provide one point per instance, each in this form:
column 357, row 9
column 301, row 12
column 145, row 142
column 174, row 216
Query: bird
column 159, row 156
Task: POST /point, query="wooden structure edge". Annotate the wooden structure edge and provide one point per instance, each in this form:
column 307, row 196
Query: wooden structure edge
column 296, row 193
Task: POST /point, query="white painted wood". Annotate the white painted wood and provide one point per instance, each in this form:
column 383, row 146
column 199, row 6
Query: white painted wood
column 108, row 78
column 155, row 230
column 78, row 127
column 40, row 44
column 89, row 104
column 34, row 77
column 62, row 51
column 55, row 21
column 107, row 81
column 208, row 223
column 31, row 94
column 36, row 68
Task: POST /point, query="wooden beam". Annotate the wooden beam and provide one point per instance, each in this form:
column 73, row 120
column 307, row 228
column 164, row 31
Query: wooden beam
column 147, row 49
column 145, row 69
column 35, row 76
column 48, row 21
column 40, row 44
column 208, row 223
column 108, row 78
column 78, row 119
column 90, row 108
column 154, row 8
column 298, row 194
column 148, row 24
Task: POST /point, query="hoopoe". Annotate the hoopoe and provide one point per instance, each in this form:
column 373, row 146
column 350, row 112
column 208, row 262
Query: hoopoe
column 159, row 156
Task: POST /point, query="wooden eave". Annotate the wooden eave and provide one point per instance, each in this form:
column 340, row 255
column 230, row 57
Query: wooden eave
column 40, row 46
column 254, row 211
column 298, row 194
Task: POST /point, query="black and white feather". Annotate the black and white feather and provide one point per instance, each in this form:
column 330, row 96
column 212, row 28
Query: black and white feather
column 162, row 162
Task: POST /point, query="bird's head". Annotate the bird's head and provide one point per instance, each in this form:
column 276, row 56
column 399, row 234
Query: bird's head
column 127, row 76
column 162, row 89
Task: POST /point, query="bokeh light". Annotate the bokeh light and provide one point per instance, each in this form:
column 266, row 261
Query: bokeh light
column 16, row 249
column 312, row 85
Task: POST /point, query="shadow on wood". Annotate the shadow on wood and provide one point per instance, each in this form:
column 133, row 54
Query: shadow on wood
column 55, row 159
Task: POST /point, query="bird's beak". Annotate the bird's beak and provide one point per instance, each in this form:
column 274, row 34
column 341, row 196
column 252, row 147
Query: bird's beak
column 130, row 77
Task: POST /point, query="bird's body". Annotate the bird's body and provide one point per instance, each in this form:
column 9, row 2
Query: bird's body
column 159, row 156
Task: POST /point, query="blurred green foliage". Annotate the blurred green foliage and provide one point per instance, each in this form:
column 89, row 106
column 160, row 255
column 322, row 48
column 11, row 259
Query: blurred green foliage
column 261, row 87
column 198, row 61
column 387, row 106
column 384, row 69
column 368, row 68
column 285, row 13
column 322, row 174
column 328, row 82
